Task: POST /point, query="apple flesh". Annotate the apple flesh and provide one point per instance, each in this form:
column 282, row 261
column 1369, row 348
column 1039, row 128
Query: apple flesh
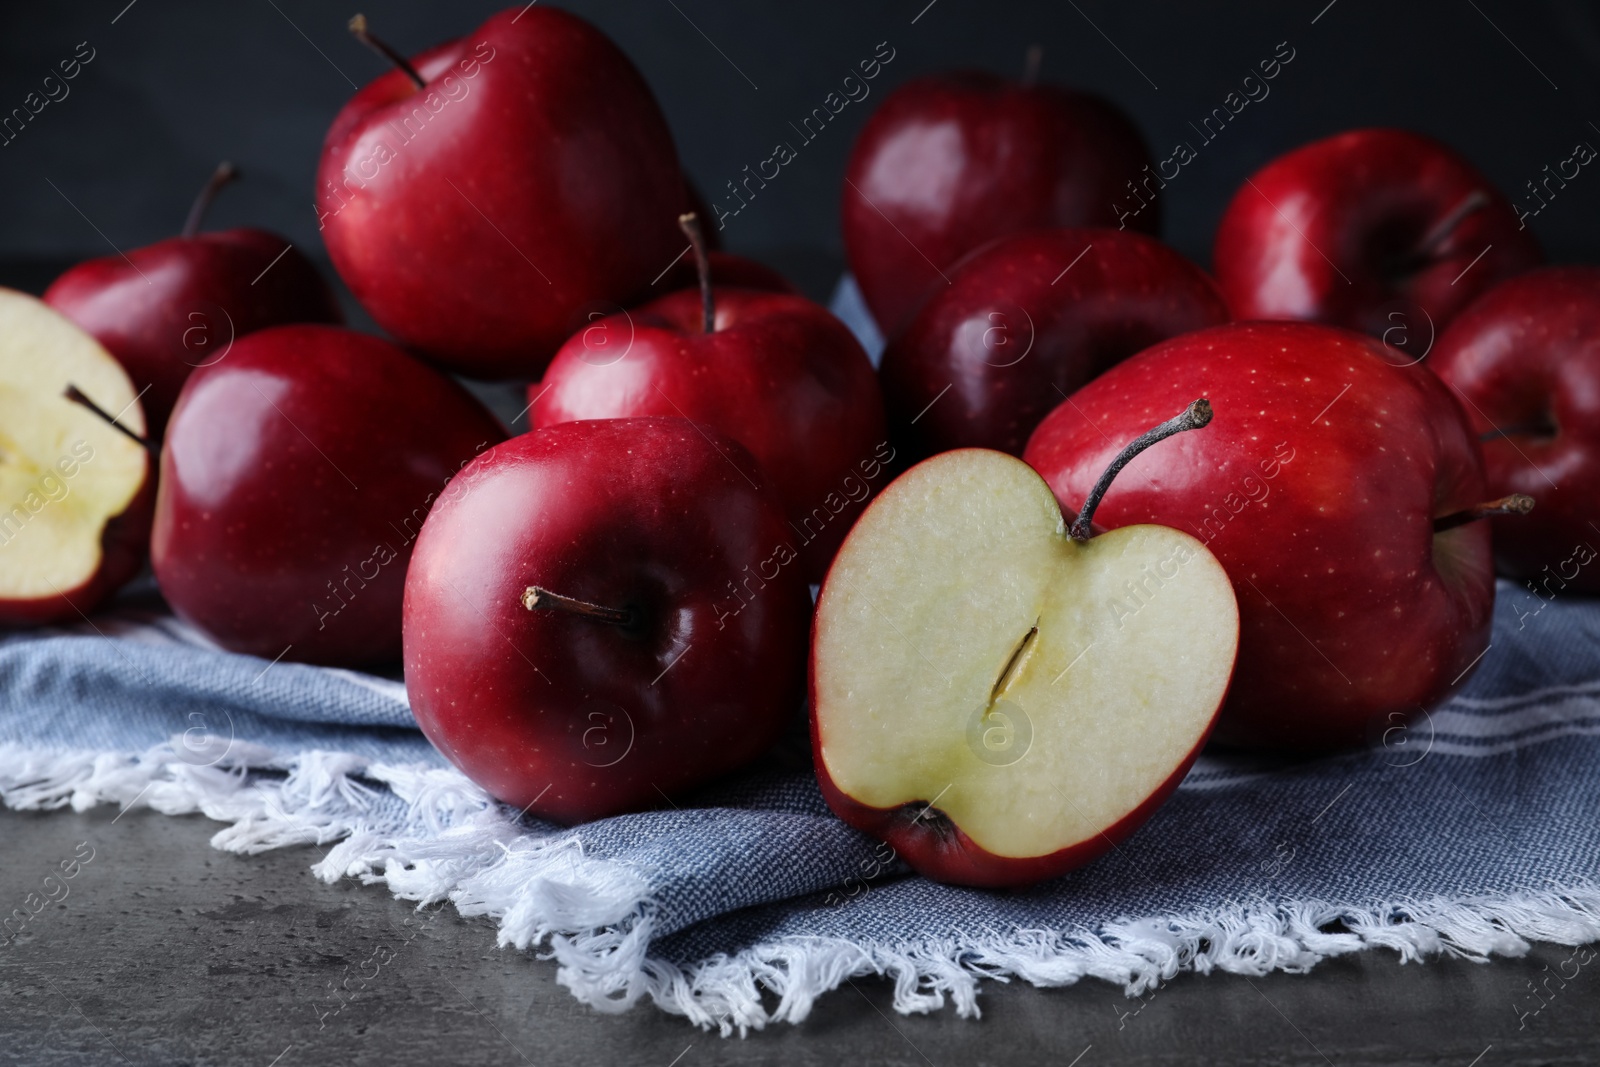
column 998, row 701
column 296, row 476
column 1024, row 322
column 1320, row 486
column 75, row 494
column 573, row 715
column 1525, row 357
column 529, row 176
column 948, row 163
column 1380, row 230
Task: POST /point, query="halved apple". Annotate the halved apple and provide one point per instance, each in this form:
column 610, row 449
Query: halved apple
column 997, row 699
column 76, row 495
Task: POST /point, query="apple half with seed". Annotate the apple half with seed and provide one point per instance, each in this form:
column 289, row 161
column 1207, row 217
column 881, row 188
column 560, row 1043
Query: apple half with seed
column 76, row 494
column 1001, row 696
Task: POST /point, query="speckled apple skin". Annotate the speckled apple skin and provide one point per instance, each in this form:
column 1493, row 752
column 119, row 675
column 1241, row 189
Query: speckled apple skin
column 1316, row 485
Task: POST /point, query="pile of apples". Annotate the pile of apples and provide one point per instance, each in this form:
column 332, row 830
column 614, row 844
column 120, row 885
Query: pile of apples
column 1095, row 506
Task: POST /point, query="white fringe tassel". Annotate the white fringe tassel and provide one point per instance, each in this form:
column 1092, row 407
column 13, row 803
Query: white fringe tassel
column 449, row 840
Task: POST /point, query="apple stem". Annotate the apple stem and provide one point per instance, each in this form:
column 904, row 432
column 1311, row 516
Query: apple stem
column 1192, row 417
column 76, row 395
column 358, row 28
column 536, row 599
column 1515, row 504
column 224, row 174
column 689, row 223
column 1474, row 202
column 1030, row 64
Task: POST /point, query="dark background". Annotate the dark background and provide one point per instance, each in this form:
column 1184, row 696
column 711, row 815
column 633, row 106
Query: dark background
column 177, row 85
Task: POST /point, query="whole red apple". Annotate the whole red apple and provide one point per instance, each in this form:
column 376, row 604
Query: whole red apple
column 178, row 304
column 775, row 372
column 1380, row 230
column 976, row 700
column 477, row 201
column 605, row 327
column 1525, row 357
column 1024, row 322
column 1331, row 485
column 296, row 476
column 600, row 614
column 949, row 162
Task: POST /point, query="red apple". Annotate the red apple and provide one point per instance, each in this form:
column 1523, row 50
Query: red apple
column 600, row 615
column 1380, row 230
column 477, row 201
column 75, row 494
column 979, row 702
column 1024, row 322
column 1525, row 357
column 775, row 372
column 949, row 162
column 178, row 304
column 296, row 476
column 1330, row 485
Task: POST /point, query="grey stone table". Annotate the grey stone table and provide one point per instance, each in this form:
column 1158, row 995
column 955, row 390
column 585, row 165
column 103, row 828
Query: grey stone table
column 165, row 951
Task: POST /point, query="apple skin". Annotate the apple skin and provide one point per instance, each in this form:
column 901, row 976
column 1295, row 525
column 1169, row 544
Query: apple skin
column 1365, row 199
column 545, row 180
column 157, row 310
column 949, row 162
column 1526, row 350
column 1079, row 317
column 307, row 457
column 650, row 514
column 727, row 270
column 936, row 848
column 1346, row 619
column 780, row 375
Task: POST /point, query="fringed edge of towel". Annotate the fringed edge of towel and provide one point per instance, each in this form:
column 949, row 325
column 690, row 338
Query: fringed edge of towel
column 448, row 840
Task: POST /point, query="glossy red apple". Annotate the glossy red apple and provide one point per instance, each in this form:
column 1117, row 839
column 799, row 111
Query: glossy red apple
column 1330, row 486
column 1380, row 230
column 601, row 614
column 774, row 371
column 296, row 476
column 75, row 494
column 949, row 162
column 478, row 208
column 178, row 304
column 606, row 325
column 1024, row 322
column 987, row 694
column 1525, row 358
